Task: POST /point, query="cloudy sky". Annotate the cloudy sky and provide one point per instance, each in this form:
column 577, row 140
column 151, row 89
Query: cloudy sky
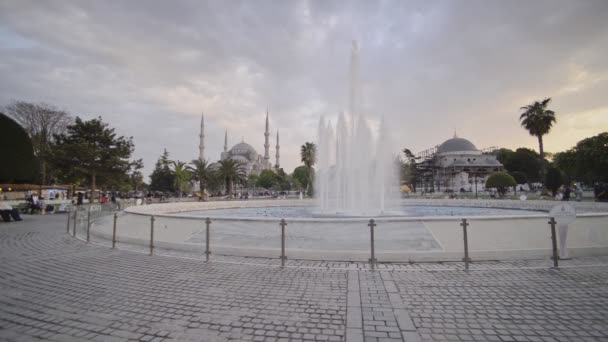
column 150, row 68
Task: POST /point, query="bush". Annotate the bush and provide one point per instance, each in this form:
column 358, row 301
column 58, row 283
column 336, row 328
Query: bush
column 501, row 181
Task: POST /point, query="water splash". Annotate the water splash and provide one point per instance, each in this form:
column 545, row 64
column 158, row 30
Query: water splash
column 355, row 169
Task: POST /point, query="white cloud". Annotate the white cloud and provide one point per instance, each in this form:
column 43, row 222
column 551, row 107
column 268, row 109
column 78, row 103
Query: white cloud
column 150, row 68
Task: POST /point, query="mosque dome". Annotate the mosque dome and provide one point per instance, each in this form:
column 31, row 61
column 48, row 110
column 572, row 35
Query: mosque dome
column 456, row 145
column 243, row 149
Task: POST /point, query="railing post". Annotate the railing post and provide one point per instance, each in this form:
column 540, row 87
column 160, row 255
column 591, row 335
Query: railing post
column 89, row 225
column 69, row 216
column 75, row 219
column 207, row 251
column 151, row 235
column 555, row 257
column 372, row 260
column 114, row 231
column 283, row 223
column 466, row 258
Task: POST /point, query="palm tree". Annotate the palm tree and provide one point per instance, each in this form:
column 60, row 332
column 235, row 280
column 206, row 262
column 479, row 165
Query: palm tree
column 231, row 171
column 308, row 153
column 181, row 174
column 203, row 172
column 537, row 119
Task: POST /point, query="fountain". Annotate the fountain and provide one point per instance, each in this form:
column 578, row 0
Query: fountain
column 355, row 183
column 355, row 169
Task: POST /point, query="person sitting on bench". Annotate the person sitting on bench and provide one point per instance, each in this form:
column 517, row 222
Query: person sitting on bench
column 7, row 211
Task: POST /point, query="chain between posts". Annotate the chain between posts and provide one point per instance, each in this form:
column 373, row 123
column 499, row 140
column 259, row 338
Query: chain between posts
column 283, row 223
column 372, row 260
column 114, row 231
column 466, row 258
column 151, row 235
column 207, row 251
column 555, row 257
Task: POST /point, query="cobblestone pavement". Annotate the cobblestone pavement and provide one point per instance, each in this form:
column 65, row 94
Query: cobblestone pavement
column 54, row 287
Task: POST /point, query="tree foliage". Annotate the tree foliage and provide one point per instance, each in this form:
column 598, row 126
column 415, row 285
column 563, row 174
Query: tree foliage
column 42, row 122
column 522, row 160
column 162, row 179
column 519, row 177
column 308, row 155
column 587, row 161
column 204, row 173
column 300, row 177
column 16, row 152
column 538, row 120
column 181, row 176
column 554, row 180
column 409, row 168
column 92, row 150
column 231, row 172
column 267, row 179
column 501, row 181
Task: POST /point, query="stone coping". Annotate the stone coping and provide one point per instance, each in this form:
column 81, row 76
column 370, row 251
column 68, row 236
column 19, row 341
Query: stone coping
column 179, row 210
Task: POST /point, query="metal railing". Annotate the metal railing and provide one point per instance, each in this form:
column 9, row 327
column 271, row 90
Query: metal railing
column 81, row 219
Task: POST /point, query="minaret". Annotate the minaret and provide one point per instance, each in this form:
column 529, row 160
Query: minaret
column 266, row 143
column 226, row 141
column 277, row 165
column 201, row 146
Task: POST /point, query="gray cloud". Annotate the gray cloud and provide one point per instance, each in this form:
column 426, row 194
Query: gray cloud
column 149, row 68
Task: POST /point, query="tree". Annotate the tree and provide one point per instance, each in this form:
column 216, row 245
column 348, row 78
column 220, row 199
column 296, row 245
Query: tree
column 538, row 120
column 523, row 160
column 308, row 154
column 267, row 179
column 92, row 149
column 519, row 177
column 231, row 172
column 300, row 177
column 252, row 181
column 16, row 152
column 587, row 161
column 554, row 179
column 181, row 176
column 162, row 179
column 567, row 162
column 283, row 181
column 202, row 172
column 501, row 181
column 41, row 122
column 502, row 155
column 136, row 178
column 409, row 168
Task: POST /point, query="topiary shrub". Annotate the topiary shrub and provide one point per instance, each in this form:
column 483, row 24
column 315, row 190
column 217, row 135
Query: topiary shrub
column 501, row 181
column 16, row 153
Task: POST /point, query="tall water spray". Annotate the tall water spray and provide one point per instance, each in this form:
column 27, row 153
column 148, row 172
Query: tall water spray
column 355, row 169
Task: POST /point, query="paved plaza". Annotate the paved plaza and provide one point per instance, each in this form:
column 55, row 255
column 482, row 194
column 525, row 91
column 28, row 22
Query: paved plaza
column 54, row 287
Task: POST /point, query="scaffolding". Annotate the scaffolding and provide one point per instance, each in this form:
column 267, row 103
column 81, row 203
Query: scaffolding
column 429, row 172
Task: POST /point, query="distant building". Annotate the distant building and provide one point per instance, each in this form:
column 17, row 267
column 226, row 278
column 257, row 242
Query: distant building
column 253, row 162
column 456, row 165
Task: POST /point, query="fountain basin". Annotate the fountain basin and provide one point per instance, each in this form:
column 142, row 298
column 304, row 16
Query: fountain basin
column 520, row 234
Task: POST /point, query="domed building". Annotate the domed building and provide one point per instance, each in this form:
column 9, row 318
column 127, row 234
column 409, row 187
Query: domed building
column 253, row 162
column 457, row 165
